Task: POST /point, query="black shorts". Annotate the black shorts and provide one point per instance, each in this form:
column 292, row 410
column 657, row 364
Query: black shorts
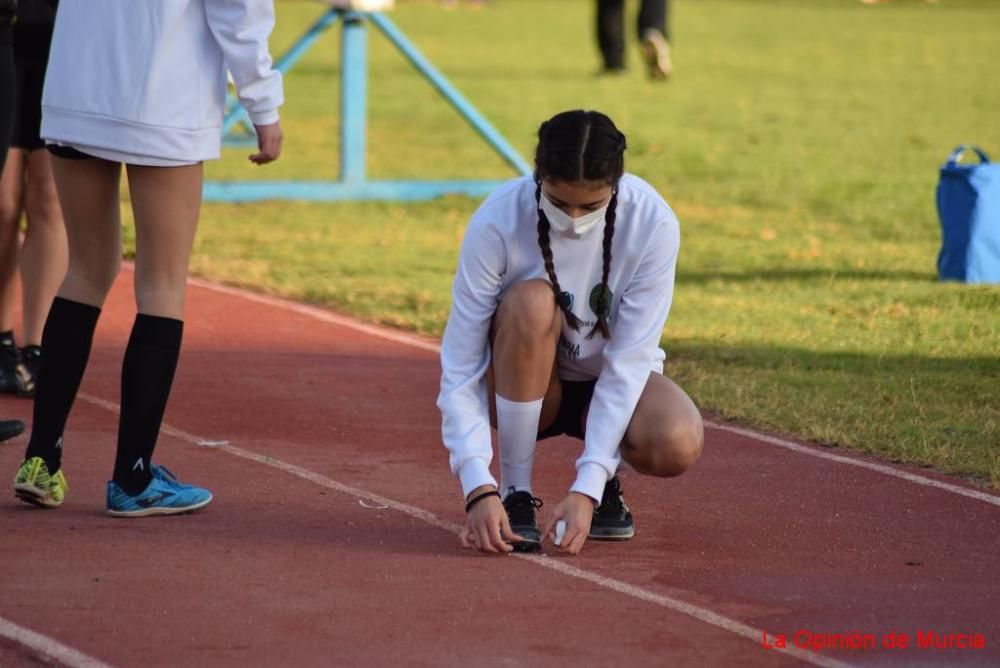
column 576, row 396
column 28, row 82
column 68, row 152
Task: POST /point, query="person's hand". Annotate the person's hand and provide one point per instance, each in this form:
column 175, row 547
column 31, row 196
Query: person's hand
column 487, row 527
column 268, row 142
column 577, row 510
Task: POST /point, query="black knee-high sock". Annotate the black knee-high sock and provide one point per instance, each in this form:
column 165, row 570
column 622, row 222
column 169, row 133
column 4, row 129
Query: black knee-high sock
column 147, row 375
column 66, row 339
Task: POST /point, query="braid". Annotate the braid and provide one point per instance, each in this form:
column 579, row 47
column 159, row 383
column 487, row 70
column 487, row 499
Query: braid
column 603, row 299
column 563, row 299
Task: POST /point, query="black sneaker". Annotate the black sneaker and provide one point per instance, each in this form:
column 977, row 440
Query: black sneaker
column 27, row 371
column 612, row 519
column 10, row 357
column 10, row 429
column 520, row 507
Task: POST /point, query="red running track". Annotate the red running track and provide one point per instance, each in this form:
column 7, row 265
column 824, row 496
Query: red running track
column 331, row 541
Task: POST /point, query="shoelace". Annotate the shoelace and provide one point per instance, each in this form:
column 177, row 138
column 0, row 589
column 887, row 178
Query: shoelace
column 521, row 507
column 167, row 476
column 162, row 472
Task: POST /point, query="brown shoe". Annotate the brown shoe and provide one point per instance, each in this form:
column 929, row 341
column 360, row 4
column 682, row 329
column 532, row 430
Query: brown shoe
column 656, row 53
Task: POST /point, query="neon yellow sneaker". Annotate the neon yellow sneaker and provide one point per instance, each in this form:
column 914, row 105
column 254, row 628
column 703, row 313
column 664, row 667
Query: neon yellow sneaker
column 33, row 484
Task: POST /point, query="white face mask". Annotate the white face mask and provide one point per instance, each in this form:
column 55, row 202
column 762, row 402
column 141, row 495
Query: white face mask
column 562, row 222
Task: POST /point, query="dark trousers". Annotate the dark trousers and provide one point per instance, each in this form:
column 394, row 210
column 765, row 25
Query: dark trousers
column 6, row 90
column 611, row 27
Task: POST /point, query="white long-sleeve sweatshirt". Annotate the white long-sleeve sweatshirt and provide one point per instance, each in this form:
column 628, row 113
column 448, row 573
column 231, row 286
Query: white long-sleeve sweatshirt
column 148, row 77
column 500, row 249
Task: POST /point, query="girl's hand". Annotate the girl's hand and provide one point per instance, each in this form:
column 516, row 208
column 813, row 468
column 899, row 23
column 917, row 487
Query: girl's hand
column 487, row 527
column 577, row 510
column 268, row 142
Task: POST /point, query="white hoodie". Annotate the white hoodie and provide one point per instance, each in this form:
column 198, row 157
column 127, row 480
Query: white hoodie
column 147, row 78
column 500, row 249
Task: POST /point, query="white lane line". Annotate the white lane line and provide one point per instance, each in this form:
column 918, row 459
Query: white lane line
column 417, row 342
column 47, row 647
column 321, row 315
column 701, row 614
column 871, row 466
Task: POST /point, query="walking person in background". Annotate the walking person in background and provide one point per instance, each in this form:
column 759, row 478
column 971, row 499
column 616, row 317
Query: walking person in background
column 8, row 12
column 28, row 188
column 141, row 84
column 563, row 287
column 653, row 31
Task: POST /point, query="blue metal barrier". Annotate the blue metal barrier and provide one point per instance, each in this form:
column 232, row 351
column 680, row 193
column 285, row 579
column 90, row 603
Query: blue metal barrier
column 353, row 183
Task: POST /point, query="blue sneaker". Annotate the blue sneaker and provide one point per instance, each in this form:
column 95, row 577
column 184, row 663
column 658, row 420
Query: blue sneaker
column 165, row 495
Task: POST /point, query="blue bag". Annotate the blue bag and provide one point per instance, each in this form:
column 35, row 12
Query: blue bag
column 968, row 203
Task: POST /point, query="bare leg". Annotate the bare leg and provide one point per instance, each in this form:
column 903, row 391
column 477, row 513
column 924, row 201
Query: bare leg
column 524, row 394
column 11, row 202
column 525, row 332
column 88, row 193
column 666, row 435
column 166, row 202
column 44, row 253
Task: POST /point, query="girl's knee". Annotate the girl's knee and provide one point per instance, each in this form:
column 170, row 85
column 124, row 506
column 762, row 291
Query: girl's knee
column 42, row 208
column 10, row 214
column 672, row 450
column 529, row 306
column 94, row 277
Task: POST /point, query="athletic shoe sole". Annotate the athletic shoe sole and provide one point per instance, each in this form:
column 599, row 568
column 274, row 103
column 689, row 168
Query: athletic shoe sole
column 527, row 546
column 149, row 512
column 613, row 534
column 532, row 538
column 30, row 494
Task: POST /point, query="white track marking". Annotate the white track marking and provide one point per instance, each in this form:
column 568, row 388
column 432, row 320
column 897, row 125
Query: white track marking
column 700, row 614
column 321, row 315
column 871, row 466
column 47, row 647
column 423, row 344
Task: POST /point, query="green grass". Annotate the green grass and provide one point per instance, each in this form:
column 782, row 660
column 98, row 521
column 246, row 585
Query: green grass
column 799, row 144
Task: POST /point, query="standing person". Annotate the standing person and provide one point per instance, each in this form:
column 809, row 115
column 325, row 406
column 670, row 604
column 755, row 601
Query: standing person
column 141, row 84
column 8, row 15
column 8, row 11
column 563, row 286
column 27, row 187
column 653, row 30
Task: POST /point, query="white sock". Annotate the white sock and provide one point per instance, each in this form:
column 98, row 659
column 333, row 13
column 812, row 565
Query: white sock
column 517, row 429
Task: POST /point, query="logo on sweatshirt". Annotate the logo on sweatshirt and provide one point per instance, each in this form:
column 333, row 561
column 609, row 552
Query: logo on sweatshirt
column 595, row 306
column 570, row 350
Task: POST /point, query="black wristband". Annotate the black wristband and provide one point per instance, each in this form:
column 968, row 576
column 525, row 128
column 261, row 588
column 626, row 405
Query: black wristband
column 479, row 498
